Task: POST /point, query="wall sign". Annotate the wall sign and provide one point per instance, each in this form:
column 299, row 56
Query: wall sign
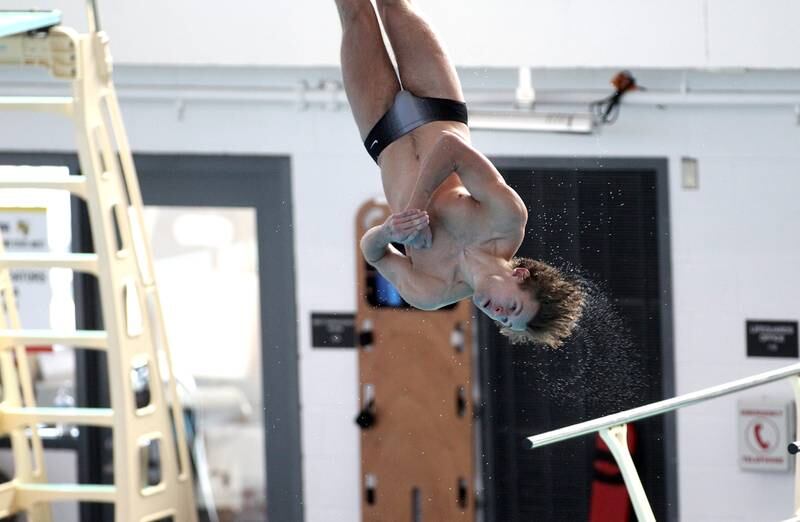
column 333, row 330
column 23, row 230
column 772, row 338
column 764, row 435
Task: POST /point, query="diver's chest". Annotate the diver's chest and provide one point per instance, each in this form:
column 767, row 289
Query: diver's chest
column 440, row 261
column 458, row 217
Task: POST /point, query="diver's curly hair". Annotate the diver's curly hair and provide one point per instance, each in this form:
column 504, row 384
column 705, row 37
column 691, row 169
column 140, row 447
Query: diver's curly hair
column 561, row 300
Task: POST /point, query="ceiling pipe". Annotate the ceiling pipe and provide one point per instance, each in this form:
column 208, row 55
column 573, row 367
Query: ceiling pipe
column 489, row 99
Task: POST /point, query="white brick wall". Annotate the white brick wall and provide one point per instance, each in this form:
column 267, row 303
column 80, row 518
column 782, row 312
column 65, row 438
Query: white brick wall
column 544, row 33
column 735, row 256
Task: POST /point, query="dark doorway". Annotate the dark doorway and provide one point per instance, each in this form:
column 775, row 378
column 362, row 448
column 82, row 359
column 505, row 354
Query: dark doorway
column 608, row 219
column 262, row 184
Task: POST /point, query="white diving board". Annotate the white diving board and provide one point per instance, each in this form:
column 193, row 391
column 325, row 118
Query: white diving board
column 16, row 22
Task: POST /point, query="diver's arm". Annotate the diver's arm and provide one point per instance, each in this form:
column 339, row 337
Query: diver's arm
column 420, row 290
column 437, row 167
column 409, row 228
column 485, row 184
column 374, row 244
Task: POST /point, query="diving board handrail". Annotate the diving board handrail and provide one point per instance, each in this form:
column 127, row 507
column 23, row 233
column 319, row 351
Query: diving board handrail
column 93, row 15
column 657, row 408
column 612, row 429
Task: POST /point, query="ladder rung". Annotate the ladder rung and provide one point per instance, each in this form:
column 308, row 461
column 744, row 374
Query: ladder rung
column 77, row 262
column 58, row 104
column 7, row 490
column 30, row 493
column 96, row 339
column 74, row 184
column 16, row 417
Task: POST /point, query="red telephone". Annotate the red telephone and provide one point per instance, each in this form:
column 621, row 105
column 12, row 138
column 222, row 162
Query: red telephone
column 757, row 429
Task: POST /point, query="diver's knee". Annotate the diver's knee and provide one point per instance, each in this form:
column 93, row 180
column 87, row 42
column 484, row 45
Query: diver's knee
column 384, row 5
column 351, row 10
column 391, row 3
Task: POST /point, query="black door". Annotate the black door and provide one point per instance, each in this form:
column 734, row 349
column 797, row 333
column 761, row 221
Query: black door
column 607, row 221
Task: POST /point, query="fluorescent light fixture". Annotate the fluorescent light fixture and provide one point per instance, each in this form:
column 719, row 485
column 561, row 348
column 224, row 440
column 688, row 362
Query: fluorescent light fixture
column 531, row 121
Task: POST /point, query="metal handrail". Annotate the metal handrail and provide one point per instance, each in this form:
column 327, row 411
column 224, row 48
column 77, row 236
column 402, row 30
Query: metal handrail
column 657, row 408
column 93, row 15
column 613, row 431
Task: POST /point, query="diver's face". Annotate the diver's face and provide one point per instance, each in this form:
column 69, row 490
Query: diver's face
column 503, row 300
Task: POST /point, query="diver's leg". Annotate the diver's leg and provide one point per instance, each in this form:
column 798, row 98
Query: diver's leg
column 424, row 67
column 370, row 80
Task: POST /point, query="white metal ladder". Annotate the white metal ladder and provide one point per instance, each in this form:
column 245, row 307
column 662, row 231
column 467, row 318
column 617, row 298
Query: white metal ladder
column 134, row 335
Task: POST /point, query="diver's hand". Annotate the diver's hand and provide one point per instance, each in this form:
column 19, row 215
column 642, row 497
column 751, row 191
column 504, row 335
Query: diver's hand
column 423, row 239
column 409, row 227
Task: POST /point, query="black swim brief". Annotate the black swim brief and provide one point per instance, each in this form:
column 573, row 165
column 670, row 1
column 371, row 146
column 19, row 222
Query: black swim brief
column 406, row 114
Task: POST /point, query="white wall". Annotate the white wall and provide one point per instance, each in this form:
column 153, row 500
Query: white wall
column 542, row 33
column 734, row 247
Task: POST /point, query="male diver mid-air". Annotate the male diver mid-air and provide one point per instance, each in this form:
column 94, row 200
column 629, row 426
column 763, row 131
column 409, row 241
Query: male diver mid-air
column 458, row 220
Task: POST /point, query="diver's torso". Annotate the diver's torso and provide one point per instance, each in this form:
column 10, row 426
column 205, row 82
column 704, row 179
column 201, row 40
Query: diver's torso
column 458, row 222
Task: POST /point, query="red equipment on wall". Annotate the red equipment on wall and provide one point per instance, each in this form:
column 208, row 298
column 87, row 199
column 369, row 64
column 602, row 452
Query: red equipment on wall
column 609, row 499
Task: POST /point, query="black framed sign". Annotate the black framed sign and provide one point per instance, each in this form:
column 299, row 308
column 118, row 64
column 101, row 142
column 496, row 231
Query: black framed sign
column 772, row 338
column 333, row 330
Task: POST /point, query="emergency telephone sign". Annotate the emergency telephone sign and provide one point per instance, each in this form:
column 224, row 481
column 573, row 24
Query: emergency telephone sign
column 764, row 435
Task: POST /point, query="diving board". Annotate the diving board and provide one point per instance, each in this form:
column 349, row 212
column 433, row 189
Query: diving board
column 16, row 22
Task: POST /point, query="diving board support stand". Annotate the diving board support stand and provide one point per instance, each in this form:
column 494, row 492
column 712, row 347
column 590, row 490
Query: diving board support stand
column 616, row 438
column 145, row 427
